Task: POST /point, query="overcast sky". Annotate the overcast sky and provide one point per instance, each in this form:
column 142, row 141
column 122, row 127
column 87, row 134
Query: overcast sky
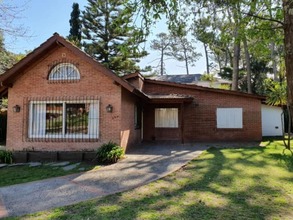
column 42, row 18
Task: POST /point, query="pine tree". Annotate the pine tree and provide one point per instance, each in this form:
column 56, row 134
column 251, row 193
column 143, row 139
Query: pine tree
column 75, row 25
column 110, row 35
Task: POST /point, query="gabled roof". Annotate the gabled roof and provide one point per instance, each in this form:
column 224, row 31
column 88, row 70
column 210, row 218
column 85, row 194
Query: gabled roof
column 54, row 42
column 207, row 89
column 191, row 79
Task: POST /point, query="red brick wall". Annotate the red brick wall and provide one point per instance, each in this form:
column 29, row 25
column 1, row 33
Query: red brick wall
column 199, row 123
column 129, row 134
column 33, row 83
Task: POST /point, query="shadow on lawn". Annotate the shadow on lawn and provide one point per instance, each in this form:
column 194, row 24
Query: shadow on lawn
column 205, row 189
column 284, row 159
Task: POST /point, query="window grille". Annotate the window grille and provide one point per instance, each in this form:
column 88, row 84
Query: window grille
column 63, row 119
column 64, row 72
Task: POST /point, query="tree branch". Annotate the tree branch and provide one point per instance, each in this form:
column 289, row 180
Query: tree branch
column 263, row 18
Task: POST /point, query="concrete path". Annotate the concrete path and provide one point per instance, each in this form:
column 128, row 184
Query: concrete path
column 141, row 166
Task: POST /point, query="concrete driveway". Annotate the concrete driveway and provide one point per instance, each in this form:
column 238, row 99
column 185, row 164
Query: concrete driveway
column 145, row 164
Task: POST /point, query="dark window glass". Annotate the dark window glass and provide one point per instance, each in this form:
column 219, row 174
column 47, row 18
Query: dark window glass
column 54, row 118
column 76, row 119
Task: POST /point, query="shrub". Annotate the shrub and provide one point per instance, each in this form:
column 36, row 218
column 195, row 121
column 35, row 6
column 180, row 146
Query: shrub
column 5, row 156
column 109, row 153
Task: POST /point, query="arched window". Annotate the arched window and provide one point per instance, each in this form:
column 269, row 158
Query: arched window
column 64, row 71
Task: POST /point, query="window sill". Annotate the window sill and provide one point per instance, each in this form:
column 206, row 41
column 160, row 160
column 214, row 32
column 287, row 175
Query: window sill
column 61, row 81
column 61, row 139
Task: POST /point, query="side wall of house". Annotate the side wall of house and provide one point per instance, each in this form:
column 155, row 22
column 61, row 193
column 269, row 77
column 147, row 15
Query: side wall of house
column 34, row 84
column 200, row 117
column 130, row 134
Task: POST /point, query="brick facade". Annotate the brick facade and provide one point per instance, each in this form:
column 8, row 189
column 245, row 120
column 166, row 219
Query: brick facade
column 197, row 106
column 33, row 83
column 199, row 117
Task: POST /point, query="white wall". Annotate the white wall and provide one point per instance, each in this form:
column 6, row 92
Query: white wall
column 271, row 120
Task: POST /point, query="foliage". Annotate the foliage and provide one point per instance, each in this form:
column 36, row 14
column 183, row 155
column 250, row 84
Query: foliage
column 220, row 184
column 5, row 156
column 276, row 92
column 162, row 44
column 109, row 153
column 110, row 35
column 207, row 77
column 7, row 59
column 3, row 103
column 184, row 50
column 75, row 25
column 226, row 73
column 259, row 71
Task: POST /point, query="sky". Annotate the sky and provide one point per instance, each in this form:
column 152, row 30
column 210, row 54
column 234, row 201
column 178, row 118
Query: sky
column 42, row 18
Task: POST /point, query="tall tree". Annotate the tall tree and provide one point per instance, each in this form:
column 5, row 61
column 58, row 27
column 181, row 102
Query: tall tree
column 110, row 35
column 75, row 25
column 162, row 43
column 7, row 59
column 185, row 51
column 203, row 34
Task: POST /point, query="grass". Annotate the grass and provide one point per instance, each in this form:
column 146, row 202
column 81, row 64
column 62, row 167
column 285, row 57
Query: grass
column 242, row 183
column 23, row 174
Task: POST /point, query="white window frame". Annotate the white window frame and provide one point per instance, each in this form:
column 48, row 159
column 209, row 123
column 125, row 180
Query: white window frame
column 163, row 116
column 55, row 73
column 230, row 118
column 89, row 135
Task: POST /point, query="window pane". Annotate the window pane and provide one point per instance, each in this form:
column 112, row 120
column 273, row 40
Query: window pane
column 229, row 118
column 77, row 118
column 54, row 118
column 166, row 117
column 64, row 120
column 64, row 71
column 38, row 119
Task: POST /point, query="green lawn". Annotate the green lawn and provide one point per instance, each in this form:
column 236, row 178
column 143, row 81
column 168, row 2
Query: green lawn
column 23, row 174
column 243, row 183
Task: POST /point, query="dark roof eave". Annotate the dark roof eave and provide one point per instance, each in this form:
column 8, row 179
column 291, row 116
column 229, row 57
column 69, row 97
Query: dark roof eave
column 141, row 95
column 171, row 100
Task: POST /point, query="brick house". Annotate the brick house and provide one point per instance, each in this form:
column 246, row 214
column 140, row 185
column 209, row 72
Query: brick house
column 61, row 99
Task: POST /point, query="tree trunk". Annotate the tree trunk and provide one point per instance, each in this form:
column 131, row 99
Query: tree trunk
column 219, row 62
column 288, row 43
column 273, row 58
column 162, row 62
column 207, row 58
column 186, row 62
column 236, row 54
column 248, row 68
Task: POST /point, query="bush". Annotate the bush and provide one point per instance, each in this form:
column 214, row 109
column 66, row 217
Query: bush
column 5, row 156
column 109, row 153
